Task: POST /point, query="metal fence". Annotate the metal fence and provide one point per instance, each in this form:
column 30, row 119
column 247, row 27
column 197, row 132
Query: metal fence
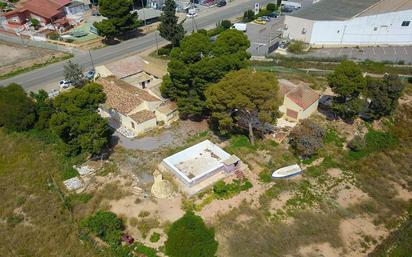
column 25, row 41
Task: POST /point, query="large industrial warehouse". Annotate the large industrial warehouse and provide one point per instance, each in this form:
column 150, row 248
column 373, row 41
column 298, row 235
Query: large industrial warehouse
column 329, row 23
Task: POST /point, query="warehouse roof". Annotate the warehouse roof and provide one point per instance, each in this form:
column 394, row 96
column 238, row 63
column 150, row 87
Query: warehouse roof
column 334, row 9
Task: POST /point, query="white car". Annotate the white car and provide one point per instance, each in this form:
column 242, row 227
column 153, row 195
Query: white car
column 192, row 13
column 64, row 84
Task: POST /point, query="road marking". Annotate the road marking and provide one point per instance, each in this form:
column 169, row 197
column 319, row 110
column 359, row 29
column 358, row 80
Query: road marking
column 394, row 50
column 384, row 52
column 406, row 52
column 373, row 49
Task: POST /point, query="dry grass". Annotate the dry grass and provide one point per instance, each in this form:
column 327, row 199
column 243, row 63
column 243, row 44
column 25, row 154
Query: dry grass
column 47, row 228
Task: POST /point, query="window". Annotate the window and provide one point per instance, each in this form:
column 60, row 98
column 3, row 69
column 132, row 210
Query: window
column 132, row 124
column 405, row 23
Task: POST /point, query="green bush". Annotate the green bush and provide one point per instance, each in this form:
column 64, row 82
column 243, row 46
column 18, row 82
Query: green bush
column 296, row 47
column 271, row 7
column 225, row 191
column 104, row 224
column 164, row 51
column 189, row 237
column 142, row 249
column 378, row 141
column 155, row 237
column 248, row 16
column 226, row 24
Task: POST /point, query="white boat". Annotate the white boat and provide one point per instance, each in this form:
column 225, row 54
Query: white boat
column 287, row 171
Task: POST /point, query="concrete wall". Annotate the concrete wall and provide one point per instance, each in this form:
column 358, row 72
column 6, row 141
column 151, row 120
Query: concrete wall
column 298, row 28
column 167, row 118
column 382, row 29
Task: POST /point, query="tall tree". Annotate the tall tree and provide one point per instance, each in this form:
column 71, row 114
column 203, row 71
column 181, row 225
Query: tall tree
column 120, row 19
column 44, row 108
column 17, row 110
column 197, row 63
column 76, row 121
column 169, row 29
column 347, row 82
column 244, row 98
column 74, row 72
column 383, row 95
column 189, row 237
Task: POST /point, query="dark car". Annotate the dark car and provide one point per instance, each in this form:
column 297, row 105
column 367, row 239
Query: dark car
column 273, row 15
column 221, row 3
column 287, row 9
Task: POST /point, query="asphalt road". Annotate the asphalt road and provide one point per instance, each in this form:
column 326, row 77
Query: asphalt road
column 35, row 79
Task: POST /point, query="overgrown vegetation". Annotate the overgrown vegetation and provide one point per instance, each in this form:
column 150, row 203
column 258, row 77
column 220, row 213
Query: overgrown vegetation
column 189, row 237
column 224, row 191
column 296, row 47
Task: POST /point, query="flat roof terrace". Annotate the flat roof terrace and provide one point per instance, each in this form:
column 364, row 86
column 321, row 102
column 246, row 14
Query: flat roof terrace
column 197, row 161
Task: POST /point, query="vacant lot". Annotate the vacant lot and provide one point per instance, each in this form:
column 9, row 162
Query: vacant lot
column 14, row 56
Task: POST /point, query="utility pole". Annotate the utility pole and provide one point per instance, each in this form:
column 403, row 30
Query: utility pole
column 157, row 44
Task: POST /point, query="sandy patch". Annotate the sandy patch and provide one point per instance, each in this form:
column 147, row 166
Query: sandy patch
column 348, row 195
column 335, row 173
column 167, row 210
column 218, row 207
column 280, row 201
column 320, row 250
column 353, row 232
column 403, row 193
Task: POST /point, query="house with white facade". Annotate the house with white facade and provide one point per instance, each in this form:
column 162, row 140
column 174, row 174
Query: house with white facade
column 299, row 101
column 335, row 23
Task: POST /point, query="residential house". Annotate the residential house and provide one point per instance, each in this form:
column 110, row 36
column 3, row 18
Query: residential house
column 128, row 107
column 45, row 11
column 132, row 110
column 299, row 101
column 167, row 113
column 132, row 69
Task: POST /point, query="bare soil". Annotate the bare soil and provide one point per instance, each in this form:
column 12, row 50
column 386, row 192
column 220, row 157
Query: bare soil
column 14, row 56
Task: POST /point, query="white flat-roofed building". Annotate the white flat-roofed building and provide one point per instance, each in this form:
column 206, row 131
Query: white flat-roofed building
column 329, row 23
column 199, row 162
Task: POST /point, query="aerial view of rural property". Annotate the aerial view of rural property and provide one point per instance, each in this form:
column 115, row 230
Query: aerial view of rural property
column 205, row 128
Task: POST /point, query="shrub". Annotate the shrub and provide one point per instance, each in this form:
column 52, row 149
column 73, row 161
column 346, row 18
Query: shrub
column 104, row 224
column 296, row 47
column 225, row 191
column 248, row 16
column 164, row 51
column 271, row 7
column 226, row 24
column 35, row 23
column 356, row 144
column 155, row 237
column 54, row 36
column 306, row 139
column 189, row 237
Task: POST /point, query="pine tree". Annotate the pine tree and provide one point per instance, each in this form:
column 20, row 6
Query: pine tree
column 169, row 28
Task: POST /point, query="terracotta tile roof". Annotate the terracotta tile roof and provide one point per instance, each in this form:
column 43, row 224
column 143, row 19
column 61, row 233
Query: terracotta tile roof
column 303, row 96
column 126, row 67
column 122, row 96
column 142, row 116
column 44, row 8
column 142, row 94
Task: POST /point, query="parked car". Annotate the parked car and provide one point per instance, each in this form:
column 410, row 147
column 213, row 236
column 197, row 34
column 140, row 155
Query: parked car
column 240, row 26
column 192, row 12
column 221, row 3
column 287, row 9
column 259, row 21
column 273, row 15
column 264, row 18
column 90, row 74
column 64, row 84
